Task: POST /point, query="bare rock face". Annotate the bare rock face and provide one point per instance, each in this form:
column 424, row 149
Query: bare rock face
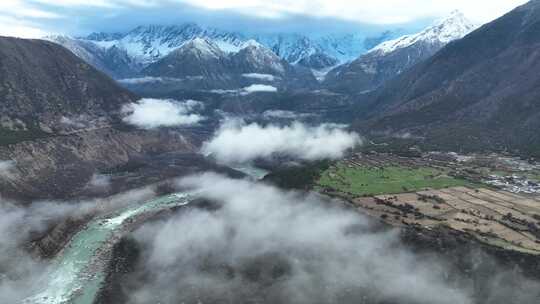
column 60, row 166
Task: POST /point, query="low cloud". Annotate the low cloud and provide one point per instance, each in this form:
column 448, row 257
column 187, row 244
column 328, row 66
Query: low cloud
column 152, row 113
column 280, row 114
column 150, row 79
column 265, row 77
column 7, row 168
column 99, row 182
column 236, row 142
column 254, row 88
column 74, row 122
column 141, row 80
column 263, row 245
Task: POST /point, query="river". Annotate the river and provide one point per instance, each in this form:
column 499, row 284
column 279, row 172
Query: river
column 78, row 272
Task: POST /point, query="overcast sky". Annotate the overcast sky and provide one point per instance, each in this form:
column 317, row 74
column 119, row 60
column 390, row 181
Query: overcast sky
column 35, row 18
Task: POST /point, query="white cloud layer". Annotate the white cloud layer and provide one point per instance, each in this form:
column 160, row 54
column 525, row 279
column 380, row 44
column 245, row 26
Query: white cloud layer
column 236, row 142
column 254, row 88
column 292, row 248
column 282, row 114
column 149, row 79
column 141, row 80
column 152, row 113
column 99, row 182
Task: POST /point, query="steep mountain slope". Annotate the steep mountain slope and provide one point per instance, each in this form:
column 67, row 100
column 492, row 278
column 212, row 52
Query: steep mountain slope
column 318, row 61
column 393, row 57
column 482, row 91
column 113, row 61
column 43, row 85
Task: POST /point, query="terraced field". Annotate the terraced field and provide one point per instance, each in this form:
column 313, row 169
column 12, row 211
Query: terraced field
column 493, row 217
column 441, row 191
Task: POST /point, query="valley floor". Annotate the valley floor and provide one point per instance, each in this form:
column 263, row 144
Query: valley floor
column 445, row 190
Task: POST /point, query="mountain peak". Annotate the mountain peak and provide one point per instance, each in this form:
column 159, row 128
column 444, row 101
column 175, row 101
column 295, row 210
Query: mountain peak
column 202, row 47
column 455, row 18
column 452, row 27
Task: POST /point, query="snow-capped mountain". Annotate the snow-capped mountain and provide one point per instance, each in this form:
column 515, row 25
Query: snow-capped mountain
column 389, row 59
column 453, row 27
column 295, row 47
column 196, row 58
column 145, row 45
column 148, row 44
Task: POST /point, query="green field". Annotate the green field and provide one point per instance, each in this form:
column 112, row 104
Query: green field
column 534, row 176
column 367, row 181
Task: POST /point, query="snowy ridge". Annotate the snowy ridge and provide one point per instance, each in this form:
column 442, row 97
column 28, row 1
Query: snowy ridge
column 149, row 43
column 453, row 27
column 202, row 48
column 295, row 47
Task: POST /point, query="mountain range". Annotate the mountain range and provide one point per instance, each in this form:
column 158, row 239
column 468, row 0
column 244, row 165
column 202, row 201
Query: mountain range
column 124, row 55
column 150, row 50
